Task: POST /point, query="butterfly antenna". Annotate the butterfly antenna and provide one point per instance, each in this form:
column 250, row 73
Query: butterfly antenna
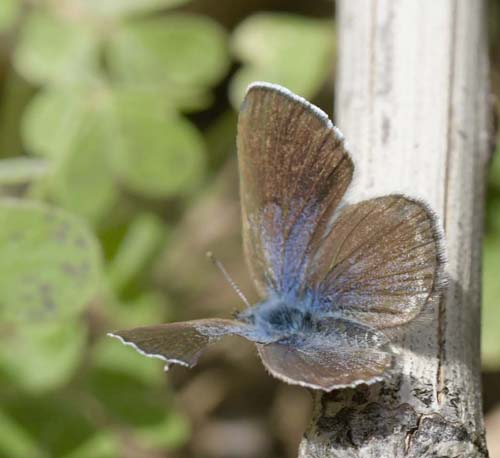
column 236, row 288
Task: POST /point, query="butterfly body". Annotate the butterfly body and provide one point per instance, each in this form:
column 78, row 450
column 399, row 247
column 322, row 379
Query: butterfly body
column 278, row 318
column 331, row 279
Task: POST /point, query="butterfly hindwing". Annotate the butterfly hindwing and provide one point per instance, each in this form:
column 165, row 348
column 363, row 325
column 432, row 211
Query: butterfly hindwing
column 342, row 353
column 381, row 261
column 294, row 170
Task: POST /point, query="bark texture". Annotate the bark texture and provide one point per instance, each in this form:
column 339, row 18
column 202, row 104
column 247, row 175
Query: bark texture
column 413, row 101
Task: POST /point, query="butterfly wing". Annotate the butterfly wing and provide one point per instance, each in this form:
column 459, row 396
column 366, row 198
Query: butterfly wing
column 344, row 354
column 294, row 169
column 177, row 343
column 380, row 262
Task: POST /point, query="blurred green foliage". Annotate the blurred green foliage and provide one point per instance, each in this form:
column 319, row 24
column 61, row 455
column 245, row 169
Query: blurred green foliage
column 45, row 256
column 308, row 39
column 102, row 150
column 490, row 336
column 490, row 320
column 115, row 116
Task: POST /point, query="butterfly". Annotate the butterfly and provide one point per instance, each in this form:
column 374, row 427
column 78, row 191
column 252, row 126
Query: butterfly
column 332, row 278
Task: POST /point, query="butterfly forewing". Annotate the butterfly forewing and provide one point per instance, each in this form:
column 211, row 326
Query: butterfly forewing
column 294, row 170
column 380, row 262
column 179, row 343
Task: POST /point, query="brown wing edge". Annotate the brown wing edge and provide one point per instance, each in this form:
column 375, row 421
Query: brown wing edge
column 168, row 361
column 441, row 279
column 207, row 332
column 376, row 378
column 318, row 112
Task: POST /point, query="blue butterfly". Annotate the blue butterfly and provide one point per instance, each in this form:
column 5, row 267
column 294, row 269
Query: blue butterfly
column 333, row 279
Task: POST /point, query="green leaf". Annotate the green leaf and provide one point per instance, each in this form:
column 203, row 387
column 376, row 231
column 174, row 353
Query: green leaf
column 143, row 239
column 167, row 99
column 135, row 100
column 172, row 432
column 57, row 424
column 493, row 213
column 490, row 342
column 127, row 132
column 46, row 355
column 103, row 444
column 50, row 263
column 84, row 183
column 494, row 170
column 117, row 8
column 149, row 307
column 157, row 157
column 21, row 170
column 175, row 51
column 54, row 119
column 142, row 407
column 9, row 12
column 56, row 50
column 135, row 403
column 290, row 50
column 490, row 323
column 14, row 440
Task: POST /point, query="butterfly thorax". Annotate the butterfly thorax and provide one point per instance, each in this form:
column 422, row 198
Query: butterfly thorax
column 276, row 319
